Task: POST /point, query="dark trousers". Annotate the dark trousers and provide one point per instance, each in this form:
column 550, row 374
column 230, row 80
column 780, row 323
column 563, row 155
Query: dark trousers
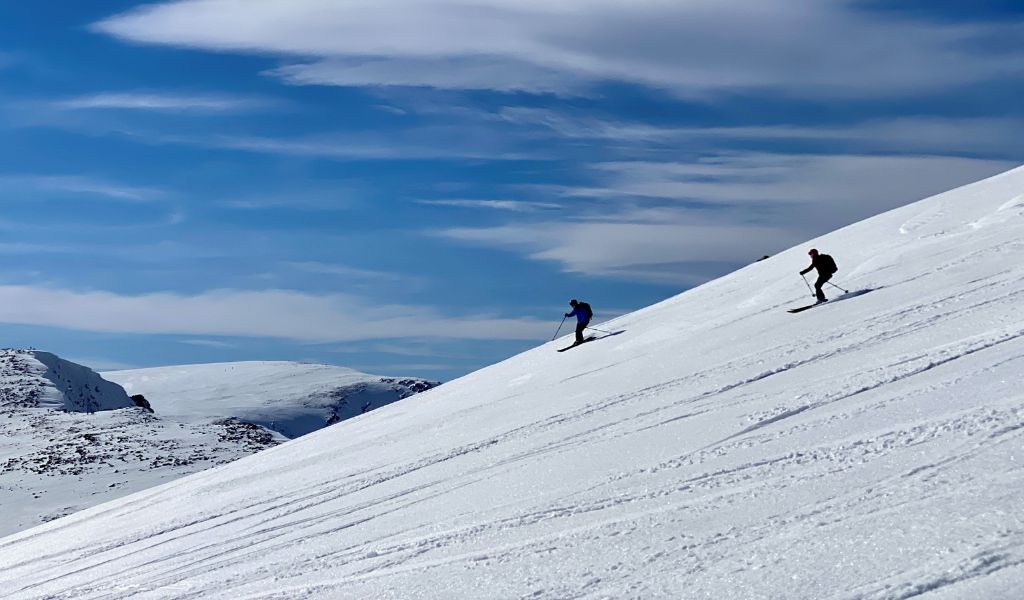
column 822, row 280
column 580, row 326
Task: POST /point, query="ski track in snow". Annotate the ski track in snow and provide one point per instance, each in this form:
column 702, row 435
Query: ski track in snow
column 871, row 450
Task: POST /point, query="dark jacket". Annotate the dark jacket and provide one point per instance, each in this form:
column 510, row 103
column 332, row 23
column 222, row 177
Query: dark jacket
column 823, row 263
column 582, row 312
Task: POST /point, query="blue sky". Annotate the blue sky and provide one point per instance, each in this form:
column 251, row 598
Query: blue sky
column 419, row 186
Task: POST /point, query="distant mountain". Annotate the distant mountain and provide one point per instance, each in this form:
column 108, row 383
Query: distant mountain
column 70, row 439
column 290, row 398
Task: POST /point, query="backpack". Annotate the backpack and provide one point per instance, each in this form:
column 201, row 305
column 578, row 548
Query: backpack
column 586, row 307
column 828, row 264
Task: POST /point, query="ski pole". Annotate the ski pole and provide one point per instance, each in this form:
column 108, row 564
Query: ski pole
column 804, row 277
column 845, row 291
column 598, row 330
column 559, row 328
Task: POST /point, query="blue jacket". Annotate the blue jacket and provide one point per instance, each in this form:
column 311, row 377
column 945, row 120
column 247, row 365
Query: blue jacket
column 582, row 312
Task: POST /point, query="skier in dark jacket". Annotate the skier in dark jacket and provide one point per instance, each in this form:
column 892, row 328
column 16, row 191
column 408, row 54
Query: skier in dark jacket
column 583, row 314
column 826, row 267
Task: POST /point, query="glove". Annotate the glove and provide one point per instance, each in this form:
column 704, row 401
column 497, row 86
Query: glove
column 567, row 315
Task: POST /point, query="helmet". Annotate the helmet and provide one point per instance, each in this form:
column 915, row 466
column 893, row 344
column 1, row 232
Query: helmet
column 573, row 302
column 813, row 252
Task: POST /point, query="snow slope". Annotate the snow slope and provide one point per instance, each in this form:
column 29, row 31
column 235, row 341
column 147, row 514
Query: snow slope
column 714, row 447
column 288, row 397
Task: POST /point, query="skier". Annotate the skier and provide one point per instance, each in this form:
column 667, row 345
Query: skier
column 826, row 267
column 583, row 314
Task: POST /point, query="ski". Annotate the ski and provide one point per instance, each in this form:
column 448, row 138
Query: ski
column 803, row 308
column 574, row 345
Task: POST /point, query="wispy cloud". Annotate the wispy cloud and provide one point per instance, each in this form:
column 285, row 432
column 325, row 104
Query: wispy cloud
column 689, row 221
column 336, row 198
column 502, row 205
column 165, row 102
column 685, row 248
column 865, row 183
column 284, row 314
column 208, row 343
column 340, row 270
column 407, row 145
column 77, row 184
column 914, row 134
column 690, row 48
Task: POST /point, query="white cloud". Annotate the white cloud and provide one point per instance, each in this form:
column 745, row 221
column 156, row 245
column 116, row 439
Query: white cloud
column 624, row 246
column 847, row 185
column 304, row 200
column 741, row 220
column 503, row 205
column 420, row 144
column 86, row 185
column 463, row 73
column 208, row 343
column 807, row 47
column 931, row 135
column 343, row 271
column 282, row 314
column 164, row 102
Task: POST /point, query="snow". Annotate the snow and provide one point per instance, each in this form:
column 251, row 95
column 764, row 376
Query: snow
column 715, row 447
column 70, row 439
column 59, row 384
column 290, row 398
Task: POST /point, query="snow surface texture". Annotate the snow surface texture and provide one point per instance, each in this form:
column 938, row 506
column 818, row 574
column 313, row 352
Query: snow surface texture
column 287, row 397
column 70, row 440
column 717, row 447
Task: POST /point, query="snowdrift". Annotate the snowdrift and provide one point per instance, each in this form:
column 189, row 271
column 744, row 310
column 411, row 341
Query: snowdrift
column 715, row 447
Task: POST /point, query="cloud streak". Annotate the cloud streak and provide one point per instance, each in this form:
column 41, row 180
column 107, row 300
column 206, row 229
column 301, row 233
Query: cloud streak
column 927, row 135
column 346, row 271
column 867, row 183
column 687, row 222
column 414, row 145
column 800, row 47
column 89, row 186
column 499, row 205
column 283, row 314
column 665, row 245
column 164, row 102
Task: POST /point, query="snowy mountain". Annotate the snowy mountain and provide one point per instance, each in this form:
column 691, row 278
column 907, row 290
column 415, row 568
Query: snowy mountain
column 35, row 379
column 72, row 439
column 713, row 446
column 287, row 397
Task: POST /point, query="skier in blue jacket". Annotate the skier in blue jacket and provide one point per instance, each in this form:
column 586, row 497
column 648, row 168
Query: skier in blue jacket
column 583, row 314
